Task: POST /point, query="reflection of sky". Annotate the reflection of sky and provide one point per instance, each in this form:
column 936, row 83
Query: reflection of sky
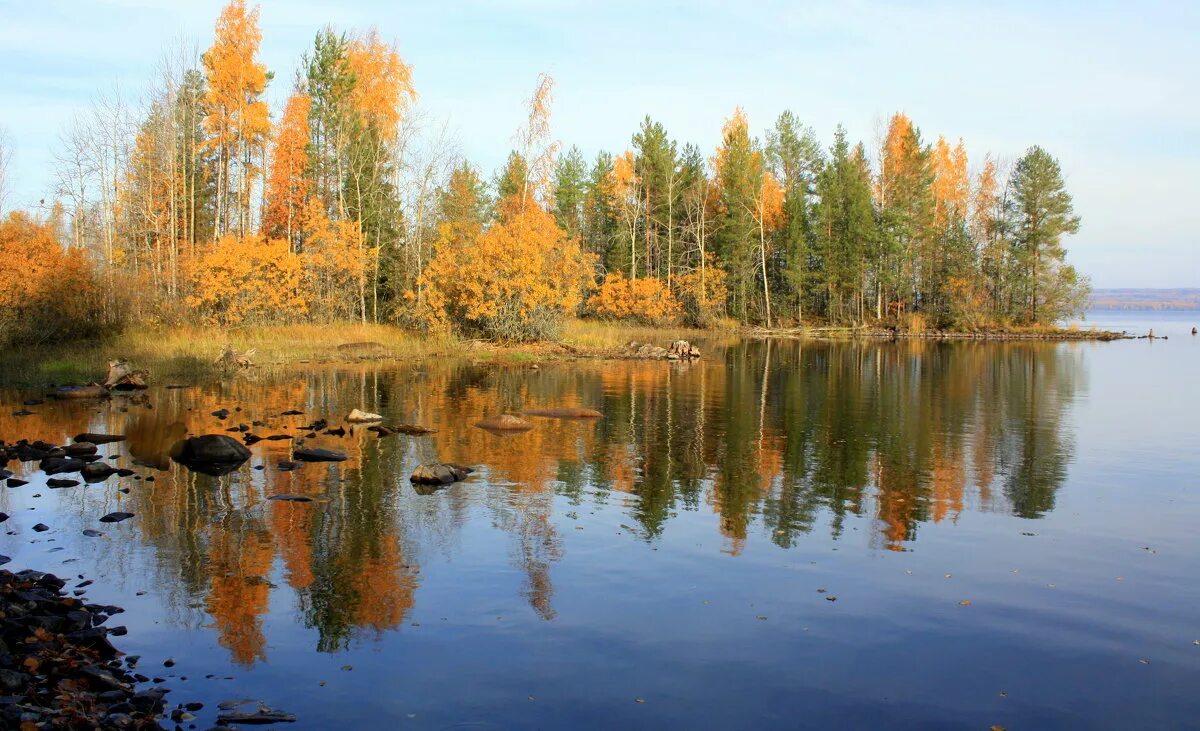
column 1108, row 87
column 526, row 582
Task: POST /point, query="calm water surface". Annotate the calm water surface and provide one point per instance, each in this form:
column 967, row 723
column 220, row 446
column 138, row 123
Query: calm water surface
column 783, row 535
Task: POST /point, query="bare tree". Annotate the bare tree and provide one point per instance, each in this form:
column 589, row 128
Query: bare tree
column 5, row 160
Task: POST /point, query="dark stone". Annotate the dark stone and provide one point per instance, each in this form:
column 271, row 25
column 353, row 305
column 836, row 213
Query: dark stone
column 56, row 465
column 97, row 472
column 309, row 454
column 211, row 454
column 41, row 527
column 16, row 482
column 56, row 483
column 439, row 473
column 78, row 449
column 287, row 466
column 221, row 413
column 90, row 533
column 291, row 498
column 115, row 517
column 99, row 438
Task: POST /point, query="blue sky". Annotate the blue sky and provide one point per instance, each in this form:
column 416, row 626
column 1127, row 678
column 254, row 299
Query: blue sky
column 1109, row 88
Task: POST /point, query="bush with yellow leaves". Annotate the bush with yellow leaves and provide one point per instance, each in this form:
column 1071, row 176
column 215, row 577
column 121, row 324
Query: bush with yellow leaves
column 249, row 280
column 702, row 293
column 645, row 300
column 515, row 282
column 52, row 293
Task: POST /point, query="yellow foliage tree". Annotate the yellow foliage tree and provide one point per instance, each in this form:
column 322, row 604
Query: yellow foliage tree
column 517, row 282
column 645, row 300
column 702, row 293
column 248, row 280
column 383, row 86
column 336, row 263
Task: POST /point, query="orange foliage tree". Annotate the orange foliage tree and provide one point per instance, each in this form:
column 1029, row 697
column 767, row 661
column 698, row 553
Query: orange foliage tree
column 288, row 184
column 383, row 85
column 53, row 294
column 237, row 120
column 517, row 282
column 645, row 300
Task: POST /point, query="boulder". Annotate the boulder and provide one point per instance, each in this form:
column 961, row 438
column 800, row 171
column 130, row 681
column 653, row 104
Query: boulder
column 97, row 471
column 210, row 454
column 79, row 449
column 439, row 473
column 357, row 416
column 504, row 423
column 312, row 454
column 58, row 465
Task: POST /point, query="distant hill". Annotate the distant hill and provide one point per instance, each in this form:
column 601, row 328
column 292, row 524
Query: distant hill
column 1145, row 299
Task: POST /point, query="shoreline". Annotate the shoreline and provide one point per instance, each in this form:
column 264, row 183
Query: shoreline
column 191, row 353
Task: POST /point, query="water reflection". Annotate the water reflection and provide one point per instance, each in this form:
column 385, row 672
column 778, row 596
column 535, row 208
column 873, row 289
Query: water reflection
column 774, row 437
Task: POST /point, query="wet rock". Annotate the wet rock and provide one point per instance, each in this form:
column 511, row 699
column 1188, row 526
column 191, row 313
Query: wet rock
column 22, row 412
column 90, row 533
column 79, row 449
column 115, row 517
column 278, row 437
column 287, row 466
column 98, row 471
column 99, row 438
column 56, row 483
column 221, row 413
column 291, row 498
column 310, row 454
column 439, row 473
column 292, row 412
column 337, row 432
column 32, row 402
column 504, row 423
column 210, row 454
column 41, row 527
column 59, row 465
column 3, row 517
column 357, row 416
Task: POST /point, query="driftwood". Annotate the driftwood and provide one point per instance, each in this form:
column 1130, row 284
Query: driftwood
column 123, row 378
column 230, row 358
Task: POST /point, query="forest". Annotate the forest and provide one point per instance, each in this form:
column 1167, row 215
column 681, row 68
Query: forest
column 200, row 204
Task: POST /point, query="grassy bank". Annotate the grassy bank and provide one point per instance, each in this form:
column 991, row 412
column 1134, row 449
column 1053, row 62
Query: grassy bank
column 187, row 354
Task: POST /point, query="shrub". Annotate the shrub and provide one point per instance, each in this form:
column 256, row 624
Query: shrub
column 244, row 280
column 516, row 281
column 702, row 294
column 52, row 293
column 646, row 300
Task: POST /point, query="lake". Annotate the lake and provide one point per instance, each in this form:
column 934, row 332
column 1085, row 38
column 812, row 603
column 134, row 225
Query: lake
column 785, row 534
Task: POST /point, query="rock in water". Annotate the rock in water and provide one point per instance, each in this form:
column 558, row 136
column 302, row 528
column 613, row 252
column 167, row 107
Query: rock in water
column 79, row 449
column 318, row 455
column 439, row 473
column 57, row 465
column 115, row 517
column 285, row 497
column 98, row 471
column 362, row 417
column 80, row 392
column 210, row 454
column 54, row 482
column 504, row 423
column 565, row 413
column 99, row 438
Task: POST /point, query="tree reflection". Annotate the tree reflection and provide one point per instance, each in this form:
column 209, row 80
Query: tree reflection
column 774, row 437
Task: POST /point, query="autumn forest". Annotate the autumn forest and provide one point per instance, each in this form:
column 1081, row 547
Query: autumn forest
column 203, row 205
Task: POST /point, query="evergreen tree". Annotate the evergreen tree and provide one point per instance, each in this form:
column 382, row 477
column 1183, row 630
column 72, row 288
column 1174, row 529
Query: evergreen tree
column 1043, row 214
column 570, row 190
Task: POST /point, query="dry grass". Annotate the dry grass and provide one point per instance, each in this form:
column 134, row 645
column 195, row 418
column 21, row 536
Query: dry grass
column 594, row 334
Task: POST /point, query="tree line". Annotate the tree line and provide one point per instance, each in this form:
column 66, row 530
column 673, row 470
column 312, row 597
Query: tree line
column 198, row 205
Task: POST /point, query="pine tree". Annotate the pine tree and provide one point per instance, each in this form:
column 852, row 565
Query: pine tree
column 1044, row 213
column 570, row 190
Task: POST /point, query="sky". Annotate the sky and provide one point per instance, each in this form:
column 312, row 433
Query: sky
column 1108, row 88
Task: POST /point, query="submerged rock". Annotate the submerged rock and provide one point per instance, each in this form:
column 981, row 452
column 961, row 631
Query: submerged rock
column 115, row 517
column 58, row 465
column 210, row 454
column 504, row 423
column 80, row 392
column 310, row 454
column 565, row 413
